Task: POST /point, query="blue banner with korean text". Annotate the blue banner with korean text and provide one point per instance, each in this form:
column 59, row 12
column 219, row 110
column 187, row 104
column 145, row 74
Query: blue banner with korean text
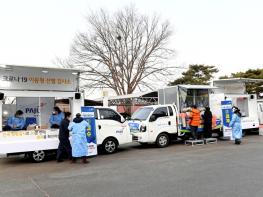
column 88, row 113
column 226, row 107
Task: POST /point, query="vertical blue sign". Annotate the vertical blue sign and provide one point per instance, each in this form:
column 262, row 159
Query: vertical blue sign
column 88, row 113
column 226, row 107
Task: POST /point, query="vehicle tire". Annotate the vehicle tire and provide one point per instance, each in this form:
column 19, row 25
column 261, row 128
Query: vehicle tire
column 110, row 145
column 162, row 140
column 38, row 156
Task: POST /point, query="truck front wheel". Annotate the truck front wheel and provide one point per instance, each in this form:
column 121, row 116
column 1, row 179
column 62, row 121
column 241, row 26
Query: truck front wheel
column 37, row 156
column 162, row 140
column 110, row 145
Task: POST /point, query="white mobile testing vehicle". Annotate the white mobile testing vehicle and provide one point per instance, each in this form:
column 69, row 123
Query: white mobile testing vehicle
column 235, row 90
column 154, row 124
column 184, row 96
column 34, row 90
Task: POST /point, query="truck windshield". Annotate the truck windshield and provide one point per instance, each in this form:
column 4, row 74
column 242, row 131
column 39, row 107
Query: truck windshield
column 142, row 113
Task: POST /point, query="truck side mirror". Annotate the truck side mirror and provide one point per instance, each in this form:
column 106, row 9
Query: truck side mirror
column 153, row 118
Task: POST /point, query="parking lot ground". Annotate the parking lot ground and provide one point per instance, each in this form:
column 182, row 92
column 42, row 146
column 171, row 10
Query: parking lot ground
column 213, row 170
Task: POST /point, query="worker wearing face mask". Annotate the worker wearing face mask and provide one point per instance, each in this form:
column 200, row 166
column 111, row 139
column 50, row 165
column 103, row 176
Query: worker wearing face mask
column 16, row 122
column 235, row 123
column 56, row 118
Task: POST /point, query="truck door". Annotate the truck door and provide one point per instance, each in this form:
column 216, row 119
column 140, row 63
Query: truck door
column 173, row 121
column 99, row 135
column 161, row 123
column 110, row 124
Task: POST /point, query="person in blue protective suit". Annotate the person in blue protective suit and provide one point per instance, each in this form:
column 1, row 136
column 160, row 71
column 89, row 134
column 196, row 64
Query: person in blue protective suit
column 64, row 147
column 79, row 140
column 16, row 122
column 235, row 123
column 56, row 118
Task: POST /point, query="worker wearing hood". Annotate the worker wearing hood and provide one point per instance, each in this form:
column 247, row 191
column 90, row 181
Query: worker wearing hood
column 235, row 123
column 79, row 140
column 56, row 118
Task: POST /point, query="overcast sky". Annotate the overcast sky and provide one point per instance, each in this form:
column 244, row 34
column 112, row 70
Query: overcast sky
column 224, row 33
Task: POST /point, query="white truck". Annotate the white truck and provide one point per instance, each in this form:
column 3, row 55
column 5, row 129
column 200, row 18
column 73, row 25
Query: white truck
column 247, row 103
column 35, row 90
column 184, row 96
column 154, row 124
column 235, row 90
column 111, row 130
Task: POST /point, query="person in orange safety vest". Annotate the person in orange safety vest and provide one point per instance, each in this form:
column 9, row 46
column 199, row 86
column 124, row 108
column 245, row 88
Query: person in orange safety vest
column 195, row 121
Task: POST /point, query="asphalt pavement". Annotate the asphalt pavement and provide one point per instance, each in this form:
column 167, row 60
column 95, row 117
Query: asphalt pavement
column 213, row 170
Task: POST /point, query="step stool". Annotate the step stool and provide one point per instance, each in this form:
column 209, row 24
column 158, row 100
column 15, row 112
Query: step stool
column 211, row 141
column 194, row 142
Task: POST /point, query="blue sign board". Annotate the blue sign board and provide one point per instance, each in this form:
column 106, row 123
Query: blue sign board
column 226, row 107
column 88, row 113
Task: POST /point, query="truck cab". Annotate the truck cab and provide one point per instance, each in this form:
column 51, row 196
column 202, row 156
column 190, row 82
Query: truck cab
column 154, row 124
column 111, row 129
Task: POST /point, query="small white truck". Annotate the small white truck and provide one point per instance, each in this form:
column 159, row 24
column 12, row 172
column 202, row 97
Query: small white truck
column 184, row 96
column 154, row 124
column 235, row 90
column 111, row 130
column 34, row 90
column 247, row 103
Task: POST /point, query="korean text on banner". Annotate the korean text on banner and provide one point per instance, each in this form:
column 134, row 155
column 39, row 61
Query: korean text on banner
column 226, row 107
column 33, row 78
column 88, row 113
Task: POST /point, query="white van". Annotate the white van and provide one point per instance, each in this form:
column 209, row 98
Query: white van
column 111, row 129
column 154, row 124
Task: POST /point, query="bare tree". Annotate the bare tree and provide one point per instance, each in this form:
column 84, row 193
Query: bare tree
column 122, row 51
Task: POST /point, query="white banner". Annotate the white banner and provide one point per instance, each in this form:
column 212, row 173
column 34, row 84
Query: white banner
column 35, row 78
